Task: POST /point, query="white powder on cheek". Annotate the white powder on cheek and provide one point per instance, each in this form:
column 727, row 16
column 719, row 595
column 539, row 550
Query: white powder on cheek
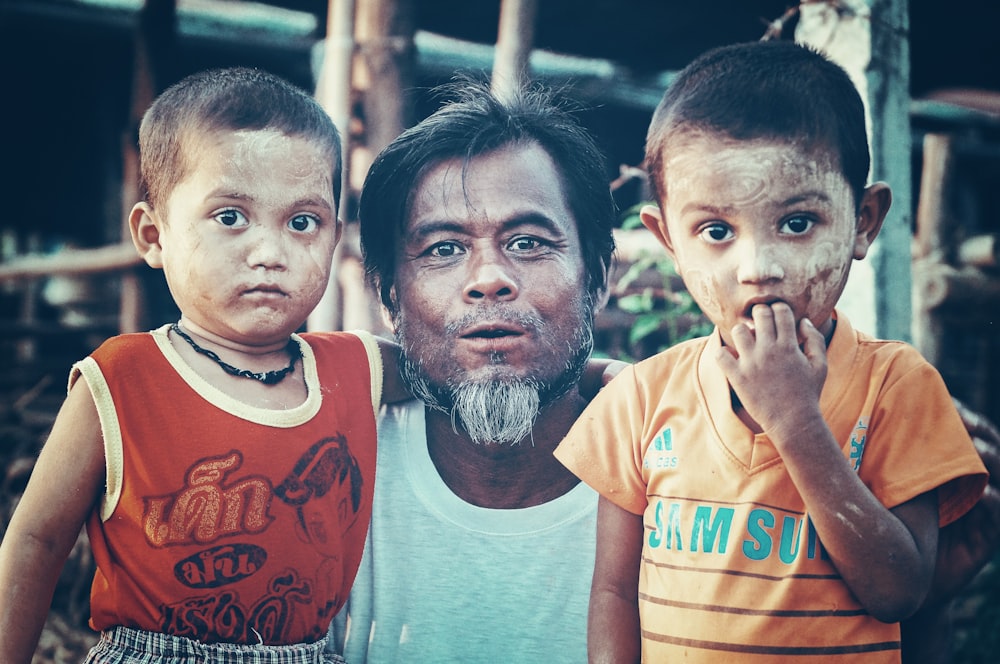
column 705, row 291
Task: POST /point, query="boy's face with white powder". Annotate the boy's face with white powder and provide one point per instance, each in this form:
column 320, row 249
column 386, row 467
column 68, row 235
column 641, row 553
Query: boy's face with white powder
column 761, row 221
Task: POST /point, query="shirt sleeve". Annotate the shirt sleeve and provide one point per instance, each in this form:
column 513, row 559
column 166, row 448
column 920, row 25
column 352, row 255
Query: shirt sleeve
column 604, row 446
column 918, row 443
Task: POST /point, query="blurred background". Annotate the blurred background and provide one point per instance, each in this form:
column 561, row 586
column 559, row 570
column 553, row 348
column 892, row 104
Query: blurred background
column 77, row 75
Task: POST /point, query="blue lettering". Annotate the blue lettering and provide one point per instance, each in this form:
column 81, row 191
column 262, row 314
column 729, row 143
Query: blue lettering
column 760, row 547
column 656, row 536
column 671, row 537
column 791, row 537
column 718, row 530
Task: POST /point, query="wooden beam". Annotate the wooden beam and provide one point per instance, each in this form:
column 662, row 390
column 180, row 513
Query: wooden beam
column 117, row 257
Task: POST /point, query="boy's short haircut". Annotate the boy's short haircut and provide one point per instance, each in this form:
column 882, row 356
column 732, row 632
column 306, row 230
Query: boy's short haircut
column 231, row 99
column 770, row 90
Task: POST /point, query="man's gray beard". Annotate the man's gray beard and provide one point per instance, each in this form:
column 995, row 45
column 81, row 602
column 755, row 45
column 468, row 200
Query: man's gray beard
column 499, row 410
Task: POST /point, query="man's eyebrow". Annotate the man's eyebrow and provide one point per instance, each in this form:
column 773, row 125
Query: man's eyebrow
column 430, row 226
column 532, row 218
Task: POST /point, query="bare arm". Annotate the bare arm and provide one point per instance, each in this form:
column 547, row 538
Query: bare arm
column 886, row 557
column 967, row 544
column 63, row 488
column 613, row 619
column 393, row 388
column 597, row 373
column 964, row 547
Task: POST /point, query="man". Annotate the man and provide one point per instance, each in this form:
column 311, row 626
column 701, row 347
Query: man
column 487, row 231
column 483, row 545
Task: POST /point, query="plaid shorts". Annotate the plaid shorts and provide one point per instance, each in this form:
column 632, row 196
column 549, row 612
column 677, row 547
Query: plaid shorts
column 124, row 645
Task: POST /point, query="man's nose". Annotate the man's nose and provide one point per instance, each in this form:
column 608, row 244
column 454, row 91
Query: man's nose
column 759, row 262
column 491, row 277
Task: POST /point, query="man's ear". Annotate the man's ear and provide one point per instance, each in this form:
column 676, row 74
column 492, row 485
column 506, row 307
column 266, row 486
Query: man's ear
column 603, row 292
column 875, row 203
column 339, row 232
column 652, row 218
column 145, row 228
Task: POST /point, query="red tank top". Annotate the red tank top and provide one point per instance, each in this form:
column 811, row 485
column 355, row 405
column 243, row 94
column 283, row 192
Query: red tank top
column 233, row 523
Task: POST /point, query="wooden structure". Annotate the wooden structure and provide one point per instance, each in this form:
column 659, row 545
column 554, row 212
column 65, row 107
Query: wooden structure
column 956, row 248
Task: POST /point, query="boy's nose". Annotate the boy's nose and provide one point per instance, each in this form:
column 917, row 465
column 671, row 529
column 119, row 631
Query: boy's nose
column 759, row 263
column 267, row 250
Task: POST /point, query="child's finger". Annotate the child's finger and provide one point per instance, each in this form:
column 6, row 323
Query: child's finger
column 763, row 323
column 743, row 338
column 784, row 322
column 813, row 343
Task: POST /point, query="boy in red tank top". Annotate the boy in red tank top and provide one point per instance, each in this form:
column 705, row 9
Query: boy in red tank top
column 223, row 464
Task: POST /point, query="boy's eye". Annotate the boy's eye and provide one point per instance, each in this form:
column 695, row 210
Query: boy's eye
column 797, row 225
column 303, row 223
column 231, row 218
column 716, row 232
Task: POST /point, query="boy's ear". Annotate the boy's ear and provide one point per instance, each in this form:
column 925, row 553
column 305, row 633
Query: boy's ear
column 652, row 218
column 874, row 206
column 145, row 229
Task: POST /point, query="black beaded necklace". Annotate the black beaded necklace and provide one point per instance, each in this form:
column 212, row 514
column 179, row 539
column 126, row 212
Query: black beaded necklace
column 266, row 377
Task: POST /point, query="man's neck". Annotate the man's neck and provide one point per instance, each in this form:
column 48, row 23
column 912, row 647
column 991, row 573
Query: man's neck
column 505, row 476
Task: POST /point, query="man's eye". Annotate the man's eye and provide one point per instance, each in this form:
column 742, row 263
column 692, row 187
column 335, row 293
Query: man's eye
column 716, row 233
column 231, row 218
column 304, row 223
column 797, row 225
column 444, row 250
column 524, row 243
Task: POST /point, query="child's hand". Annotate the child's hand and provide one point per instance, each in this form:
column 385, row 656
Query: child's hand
column 777, row 382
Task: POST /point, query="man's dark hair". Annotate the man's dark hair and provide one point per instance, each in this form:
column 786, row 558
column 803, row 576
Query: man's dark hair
column 474, row 123
column 773, row 90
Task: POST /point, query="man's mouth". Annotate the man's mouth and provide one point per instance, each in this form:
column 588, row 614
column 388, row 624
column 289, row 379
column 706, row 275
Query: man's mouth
column 491, row 332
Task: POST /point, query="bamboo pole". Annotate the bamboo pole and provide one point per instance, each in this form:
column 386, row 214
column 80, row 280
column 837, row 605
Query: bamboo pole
column 515, row 37
column 333, row 91
column 116, row 257
column 932, row 203
column 154, row 39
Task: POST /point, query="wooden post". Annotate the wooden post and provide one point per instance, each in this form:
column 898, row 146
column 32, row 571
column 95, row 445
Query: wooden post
column 515, row 36
column 385, row 38
column 333, row 90
column 154, row 39
column 878, row 294
column 933, row 203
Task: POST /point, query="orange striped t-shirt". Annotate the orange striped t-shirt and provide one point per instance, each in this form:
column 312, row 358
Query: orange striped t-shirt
column 731, row 567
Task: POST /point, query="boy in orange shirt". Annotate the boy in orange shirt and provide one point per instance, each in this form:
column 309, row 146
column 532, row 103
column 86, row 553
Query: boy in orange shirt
column 777, row 487
column 223, row 464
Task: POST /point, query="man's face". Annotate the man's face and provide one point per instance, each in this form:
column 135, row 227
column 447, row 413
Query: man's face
column 489, row 287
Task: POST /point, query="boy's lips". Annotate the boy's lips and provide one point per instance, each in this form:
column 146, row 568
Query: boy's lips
column 748, row 308
column 264, row 290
